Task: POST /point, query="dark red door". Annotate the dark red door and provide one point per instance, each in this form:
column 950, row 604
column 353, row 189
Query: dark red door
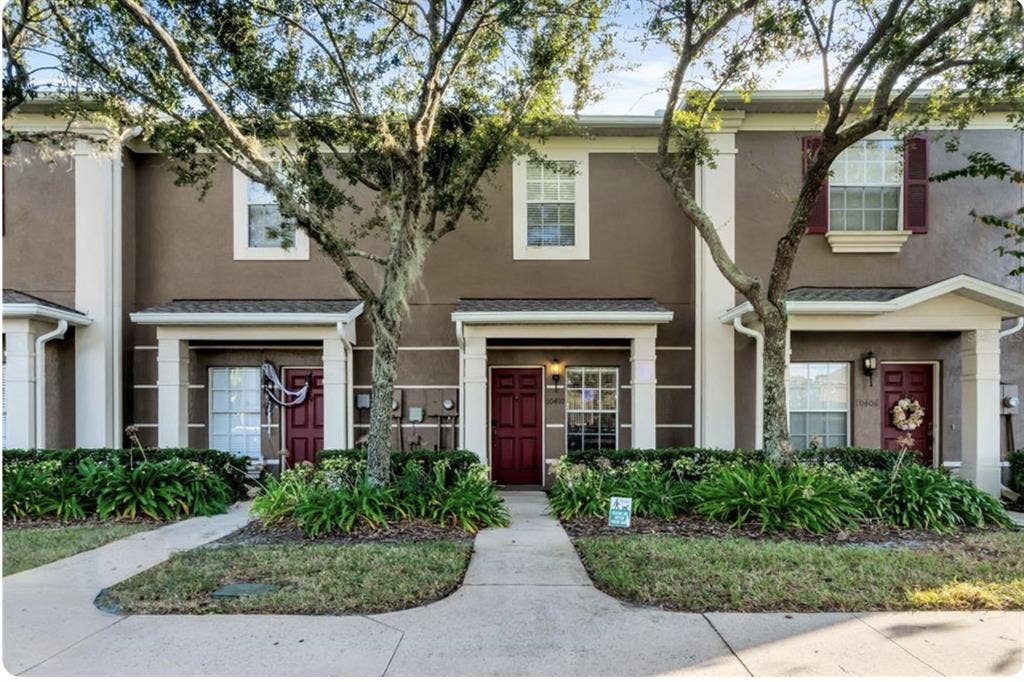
column 304, row 423
column 914, row 381
column 516, row 425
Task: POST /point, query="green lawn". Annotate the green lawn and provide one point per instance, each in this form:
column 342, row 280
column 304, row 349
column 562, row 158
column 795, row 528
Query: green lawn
column 314, row 578
column 29, row 547
column 985, row 571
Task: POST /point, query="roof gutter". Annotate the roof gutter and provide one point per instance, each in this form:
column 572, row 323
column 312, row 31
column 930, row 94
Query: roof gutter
column 246, row 318
column 554, row 316
column 1016, row 327
column 34, row 310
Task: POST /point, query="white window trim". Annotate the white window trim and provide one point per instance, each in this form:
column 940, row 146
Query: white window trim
column 240, row 214
column 618, row 421
column 870, row 241
column 210, row 411
column 581, row 249
column 849, row 397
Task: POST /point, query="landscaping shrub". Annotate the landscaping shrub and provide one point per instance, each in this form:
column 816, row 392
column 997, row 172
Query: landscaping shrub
column 334, row 497
column 852, row 459
column 917, row 496
column 1016, row 460
column 456, row 460
column 806, row 497
column 658, row 491
column 232, row 469
column 162, row 490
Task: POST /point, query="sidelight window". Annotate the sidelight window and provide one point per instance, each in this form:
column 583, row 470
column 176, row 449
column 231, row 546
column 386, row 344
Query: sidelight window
column 592, row 408
column 819, row 404
column 234, row 395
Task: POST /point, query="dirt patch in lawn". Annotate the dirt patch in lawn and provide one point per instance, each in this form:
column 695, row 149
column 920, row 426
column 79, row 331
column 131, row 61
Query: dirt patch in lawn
column 692, row 526
column 415, row 530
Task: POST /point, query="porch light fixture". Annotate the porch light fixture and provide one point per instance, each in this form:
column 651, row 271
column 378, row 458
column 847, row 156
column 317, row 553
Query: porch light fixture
column 555, row 369
column 870, row 365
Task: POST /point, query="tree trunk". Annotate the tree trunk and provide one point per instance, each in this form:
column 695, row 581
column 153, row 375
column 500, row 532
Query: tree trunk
column 386, row 332
column 776, row 418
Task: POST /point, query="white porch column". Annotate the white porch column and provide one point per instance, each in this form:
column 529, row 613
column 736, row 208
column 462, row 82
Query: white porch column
column 474, row 390
column 979, row 408
column 172, row 392
column 20, row 383
column 335, row 395
column 715, row 360
column 644, row 385
column 97, row 262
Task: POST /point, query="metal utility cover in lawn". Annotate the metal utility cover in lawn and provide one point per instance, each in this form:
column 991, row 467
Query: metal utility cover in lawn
column 244, row 590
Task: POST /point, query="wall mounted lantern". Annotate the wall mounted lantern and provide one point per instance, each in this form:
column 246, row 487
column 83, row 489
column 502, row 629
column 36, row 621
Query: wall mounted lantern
column 870, row 365
column 555, row 369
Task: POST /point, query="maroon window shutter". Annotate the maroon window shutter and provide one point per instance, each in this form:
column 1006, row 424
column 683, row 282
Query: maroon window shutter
column 915, row 185
column 817, row 223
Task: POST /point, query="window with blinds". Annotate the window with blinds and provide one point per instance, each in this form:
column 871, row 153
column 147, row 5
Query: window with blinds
column 551, row 203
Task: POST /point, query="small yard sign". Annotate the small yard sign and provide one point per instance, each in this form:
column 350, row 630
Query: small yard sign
column 620, row 512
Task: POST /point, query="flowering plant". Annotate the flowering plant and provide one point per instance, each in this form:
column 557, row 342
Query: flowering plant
column 907, row 414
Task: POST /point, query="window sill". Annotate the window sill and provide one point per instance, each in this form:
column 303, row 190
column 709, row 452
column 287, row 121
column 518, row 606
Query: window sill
column 867, row 242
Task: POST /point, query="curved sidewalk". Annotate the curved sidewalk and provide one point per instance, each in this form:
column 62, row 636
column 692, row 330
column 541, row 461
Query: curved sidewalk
column 526, row 607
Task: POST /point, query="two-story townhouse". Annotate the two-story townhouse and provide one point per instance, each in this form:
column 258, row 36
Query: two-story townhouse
column 582, row 313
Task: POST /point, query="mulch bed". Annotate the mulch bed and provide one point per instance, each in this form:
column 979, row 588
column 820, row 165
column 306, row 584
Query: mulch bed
column 58, row 523
column 416, row 530
column 871, row 534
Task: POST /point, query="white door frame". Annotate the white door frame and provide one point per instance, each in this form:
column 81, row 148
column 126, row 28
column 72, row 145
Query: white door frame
column 543, row 415
column 936, row 366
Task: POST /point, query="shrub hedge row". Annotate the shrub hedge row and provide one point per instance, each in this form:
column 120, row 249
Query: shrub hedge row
column 230, row 468
column 457, row 460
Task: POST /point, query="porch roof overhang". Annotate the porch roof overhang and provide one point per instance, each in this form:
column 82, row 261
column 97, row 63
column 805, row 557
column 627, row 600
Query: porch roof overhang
column 561, row 311
column 19, row 305
column 250, row 312
column 952, row 304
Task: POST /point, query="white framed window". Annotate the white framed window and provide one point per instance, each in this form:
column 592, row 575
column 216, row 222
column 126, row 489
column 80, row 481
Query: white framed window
column 591, row 408
column 866, row 188
column 256, row 220
column 234, row 396
column 819, row 403
column 551, row 215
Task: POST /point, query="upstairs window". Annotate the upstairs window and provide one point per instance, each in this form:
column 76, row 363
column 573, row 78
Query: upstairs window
column 550, row 211
column 865, row 190
column 260, row 231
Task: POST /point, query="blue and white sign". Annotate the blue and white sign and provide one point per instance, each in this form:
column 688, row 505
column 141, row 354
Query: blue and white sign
column 620, row 512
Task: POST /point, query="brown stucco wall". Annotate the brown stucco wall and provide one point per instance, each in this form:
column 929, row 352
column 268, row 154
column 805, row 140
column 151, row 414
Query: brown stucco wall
column 60, row 392
column 39, row 224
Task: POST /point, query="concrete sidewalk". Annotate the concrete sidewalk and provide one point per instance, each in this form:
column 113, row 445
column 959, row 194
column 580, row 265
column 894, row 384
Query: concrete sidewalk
column 527, row 607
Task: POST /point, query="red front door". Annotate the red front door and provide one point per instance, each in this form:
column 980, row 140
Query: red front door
column 914, row 381
column 304, row 423
column 516, row 425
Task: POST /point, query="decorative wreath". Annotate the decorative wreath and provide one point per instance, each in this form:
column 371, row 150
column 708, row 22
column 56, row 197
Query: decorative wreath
column 907, row 414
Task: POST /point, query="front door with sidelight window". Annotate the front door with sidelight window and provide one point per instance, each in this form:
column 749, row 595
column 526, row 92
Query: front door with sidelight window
column 517, row 424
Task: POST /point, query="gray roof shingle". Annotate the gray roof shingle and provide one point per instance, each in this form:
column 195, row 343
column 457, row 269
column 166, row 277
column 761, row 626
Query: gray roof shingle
column 855, row 294
column 15, row 297
column 335, row 306
column 560, row 305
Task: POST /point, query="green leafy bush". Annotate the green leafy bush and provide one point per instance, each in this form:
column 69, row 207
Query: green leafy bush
column 658, row 491
column 917, row 496
column 850, row 458
column 806, row 497
column 162, row 490
column 471, row 501
column 1016, row 460
column 322, row 510
column 232, row 469
column 456, row 460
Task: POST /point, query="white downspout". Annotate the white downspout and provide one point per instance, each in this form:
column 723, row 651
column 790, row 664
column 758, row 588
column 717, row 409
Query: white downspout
column 350, row 405
column 758, row 337
column 57, row 333
column 1016, row 327
column 461, row 341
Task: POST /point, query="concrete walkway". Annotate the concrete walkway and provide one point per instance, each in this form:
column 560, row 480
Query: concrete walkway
column 527, row 608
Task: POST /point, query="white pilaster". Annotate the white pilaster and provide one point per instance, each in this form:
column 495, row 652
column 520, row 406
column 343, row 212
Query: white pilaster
column 979, row 408
column 20, row 383
column 172, row 392
column 474, row 388
column 335, row 395
column 644, row 385
column 715, row 361
column 97, row 262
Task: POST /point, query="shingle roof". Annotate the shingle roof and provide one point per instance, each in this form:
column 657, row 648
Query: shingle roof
column 858, row 294
column 15, row 297
column 256, row 306
column 559, row 305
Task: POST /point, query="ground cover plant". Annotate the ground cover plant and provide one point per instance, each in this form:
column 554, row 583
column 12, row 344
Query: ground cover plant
column 978, row 571
column 820, row 492
column 29, row 546
column 336, row 498
column 313, row 578
column 73, row 487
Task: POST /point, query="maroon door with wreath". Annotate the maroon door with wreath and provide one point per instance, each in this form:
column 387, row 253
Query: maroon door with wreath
column 304, row 423
column 516, row 425
column 913, row 381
